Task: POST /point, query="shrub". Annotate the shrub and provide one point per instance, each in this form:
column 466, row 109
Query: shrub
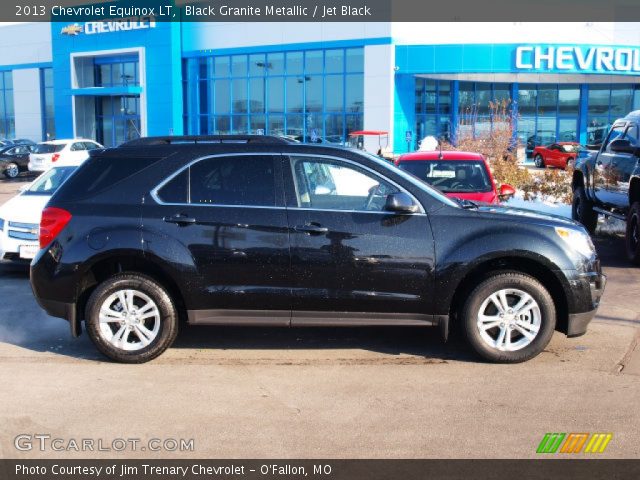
column 499, row 145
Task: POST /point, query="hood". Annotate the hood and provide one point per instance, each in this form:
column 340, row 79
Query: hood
column 24, row 208
column 519, row 214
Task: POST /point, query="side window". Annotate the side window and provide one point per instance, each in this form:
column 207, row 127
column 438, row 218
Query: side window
column 632, row 135
column 239, row 180
column 334, row 185
column 77, row 147
column 176, row 190
column 90, row 146
column 616, row 132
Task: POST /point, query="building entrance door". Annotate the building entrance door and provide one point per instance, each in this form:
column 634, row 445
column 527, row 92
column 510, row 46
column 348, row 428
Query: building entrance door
column 117, row 119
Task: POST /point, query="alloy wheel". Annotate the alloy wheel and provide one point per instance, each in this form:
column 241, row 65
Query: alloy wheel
column 12, row 170
column 509, row 320
column 129, row 320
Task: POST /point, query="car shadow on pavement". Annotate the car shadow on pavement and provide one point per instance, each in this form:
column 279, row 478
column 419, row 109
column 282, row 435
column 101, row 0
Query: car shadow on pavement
column 24, row 324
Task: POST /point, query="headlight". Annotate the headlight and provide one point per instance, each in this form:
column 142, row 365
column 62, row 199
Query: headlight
column 579, row 241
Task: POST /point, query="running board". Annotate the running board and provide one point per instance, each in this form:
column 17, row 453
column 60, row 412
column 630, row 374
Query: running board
column 607, row 213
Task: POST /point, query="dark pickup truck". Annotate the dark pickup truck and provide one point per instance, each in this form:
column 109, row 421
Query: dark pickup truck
column 608, row 182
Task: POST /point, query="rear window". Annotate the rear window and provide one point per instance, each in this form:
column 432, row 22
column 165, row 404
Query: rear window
column 48, row 148
column 100, row 173
column 50, row 181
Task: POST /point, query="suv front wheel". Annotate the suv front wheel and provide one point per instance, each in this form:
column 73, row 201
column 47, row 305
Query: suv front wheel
column 509, row 318
column 131, row 318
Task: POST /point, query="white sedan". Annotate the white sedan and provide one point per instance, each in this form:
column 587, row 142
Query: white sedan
column 60, row 152
column 20, row 216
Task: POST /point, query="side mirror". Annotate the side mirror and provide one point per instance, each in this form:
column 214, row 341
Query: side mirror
column 506, row 191
column 400, row 202
column 621, row 145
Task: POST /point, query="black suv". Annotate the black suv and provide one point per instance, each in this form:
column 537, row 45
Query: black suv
column 258, row 230
column 608, row 182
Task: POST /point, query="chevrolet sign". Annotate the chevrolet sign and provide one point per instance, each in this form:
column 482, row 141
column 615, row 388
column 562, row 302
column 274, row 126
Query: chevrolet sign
column 581, row 59
column 93, row 28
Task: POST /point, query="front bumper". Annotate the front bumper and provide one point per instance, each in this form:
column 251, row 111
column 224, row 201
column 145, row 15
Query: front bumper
column 589, row 290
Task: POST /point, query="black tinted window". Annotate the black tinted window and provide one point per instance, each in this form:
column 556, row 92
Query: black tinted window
column 176, row 190
column 100, row 173
column 239, row 180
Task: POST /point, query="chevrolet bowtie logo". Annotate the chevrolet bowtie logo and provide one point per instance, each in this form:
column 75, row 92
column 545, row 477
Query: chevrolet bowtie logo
column 74, row 29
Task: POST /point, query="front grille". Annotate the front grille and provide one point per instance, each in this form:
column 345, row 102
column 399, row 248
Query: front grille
column 23, row 231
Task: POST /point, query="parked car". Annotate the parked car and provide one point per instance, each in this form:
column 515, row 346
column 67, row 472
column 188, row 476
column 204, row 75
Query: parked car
column 608, row 183
column 270, row 232
column 20, row 216
column 23, row 141
column 560, row 155
column 14, row 159
column 46, row 154
column 462, row 175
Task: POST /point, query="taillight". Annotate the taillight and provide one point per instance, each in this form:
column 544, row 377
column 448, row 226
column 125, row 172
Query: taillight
column 55, row 157
column 51, row 224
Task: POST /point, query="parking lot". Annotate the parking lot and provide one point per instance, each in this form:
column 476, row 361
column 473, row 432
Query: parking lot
column 314, row 393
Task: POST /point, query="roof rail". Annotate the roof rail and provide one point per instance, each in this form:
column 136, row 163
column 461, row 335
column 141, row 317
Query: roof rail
column 204, row 139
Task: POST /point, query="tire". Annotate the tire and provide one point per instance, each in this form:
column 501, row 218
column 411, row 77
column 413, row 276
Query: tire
column 539, row 161
column 134, row 339
column 538, row 321
column 582, row 210
column 11, row 170
column 632, row 236
column 571, row 163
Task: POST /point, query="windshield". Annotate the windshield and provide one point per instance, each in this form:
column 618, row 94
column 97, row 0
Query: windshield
column 451, row 176
column 572, row 148
column 413, row 180
column 50, row 181
column 47, row 148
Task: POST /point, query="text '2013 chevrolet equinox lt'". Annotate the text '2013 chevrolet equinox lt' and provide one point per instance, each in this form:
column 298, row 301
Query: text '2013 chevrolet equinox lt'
column 258, row 230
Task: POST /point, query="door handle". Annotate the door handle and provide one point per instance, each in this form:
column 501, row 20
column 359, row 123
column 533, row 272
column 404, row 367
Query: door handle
column 180, row 219
column 311, row 229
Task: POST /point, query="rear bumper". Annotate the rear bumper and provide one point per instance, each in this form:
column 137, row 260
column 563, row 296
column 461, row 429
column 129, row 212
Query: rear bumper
column 62, row 310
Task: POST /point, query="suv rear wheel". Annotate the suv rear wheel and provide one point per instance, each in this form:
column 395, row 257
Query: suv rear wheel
column 509, row 318
column 582, row 210
column 131, row 318
column 632, row 237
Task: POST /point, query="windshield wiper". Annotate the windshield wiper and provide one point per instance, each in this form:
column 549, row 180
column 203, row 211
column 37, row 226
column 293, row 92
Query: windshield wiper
column 466, row 203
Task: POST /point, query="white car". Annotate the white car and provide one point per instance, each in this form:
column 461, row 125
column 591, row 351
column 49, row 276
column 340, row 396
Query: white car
column 20, row 216
column 60, row 152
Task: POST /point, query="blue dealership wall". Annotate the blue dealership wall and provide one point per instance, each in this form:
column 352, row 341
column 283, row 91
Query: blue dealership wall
column 163, row 72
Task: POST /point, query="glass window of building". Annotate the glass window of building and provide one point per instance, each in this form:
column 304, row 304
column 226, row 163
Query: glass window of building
column 48, row 111
column 606, row 103
column 433, row 106
column 116, row 71
column 547, row 113
column 7, row 112
column 312, row 96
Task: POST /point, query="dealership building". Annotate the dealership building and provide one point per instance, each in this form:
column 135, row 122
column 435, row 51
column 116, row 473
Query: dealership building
column 112, row 81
